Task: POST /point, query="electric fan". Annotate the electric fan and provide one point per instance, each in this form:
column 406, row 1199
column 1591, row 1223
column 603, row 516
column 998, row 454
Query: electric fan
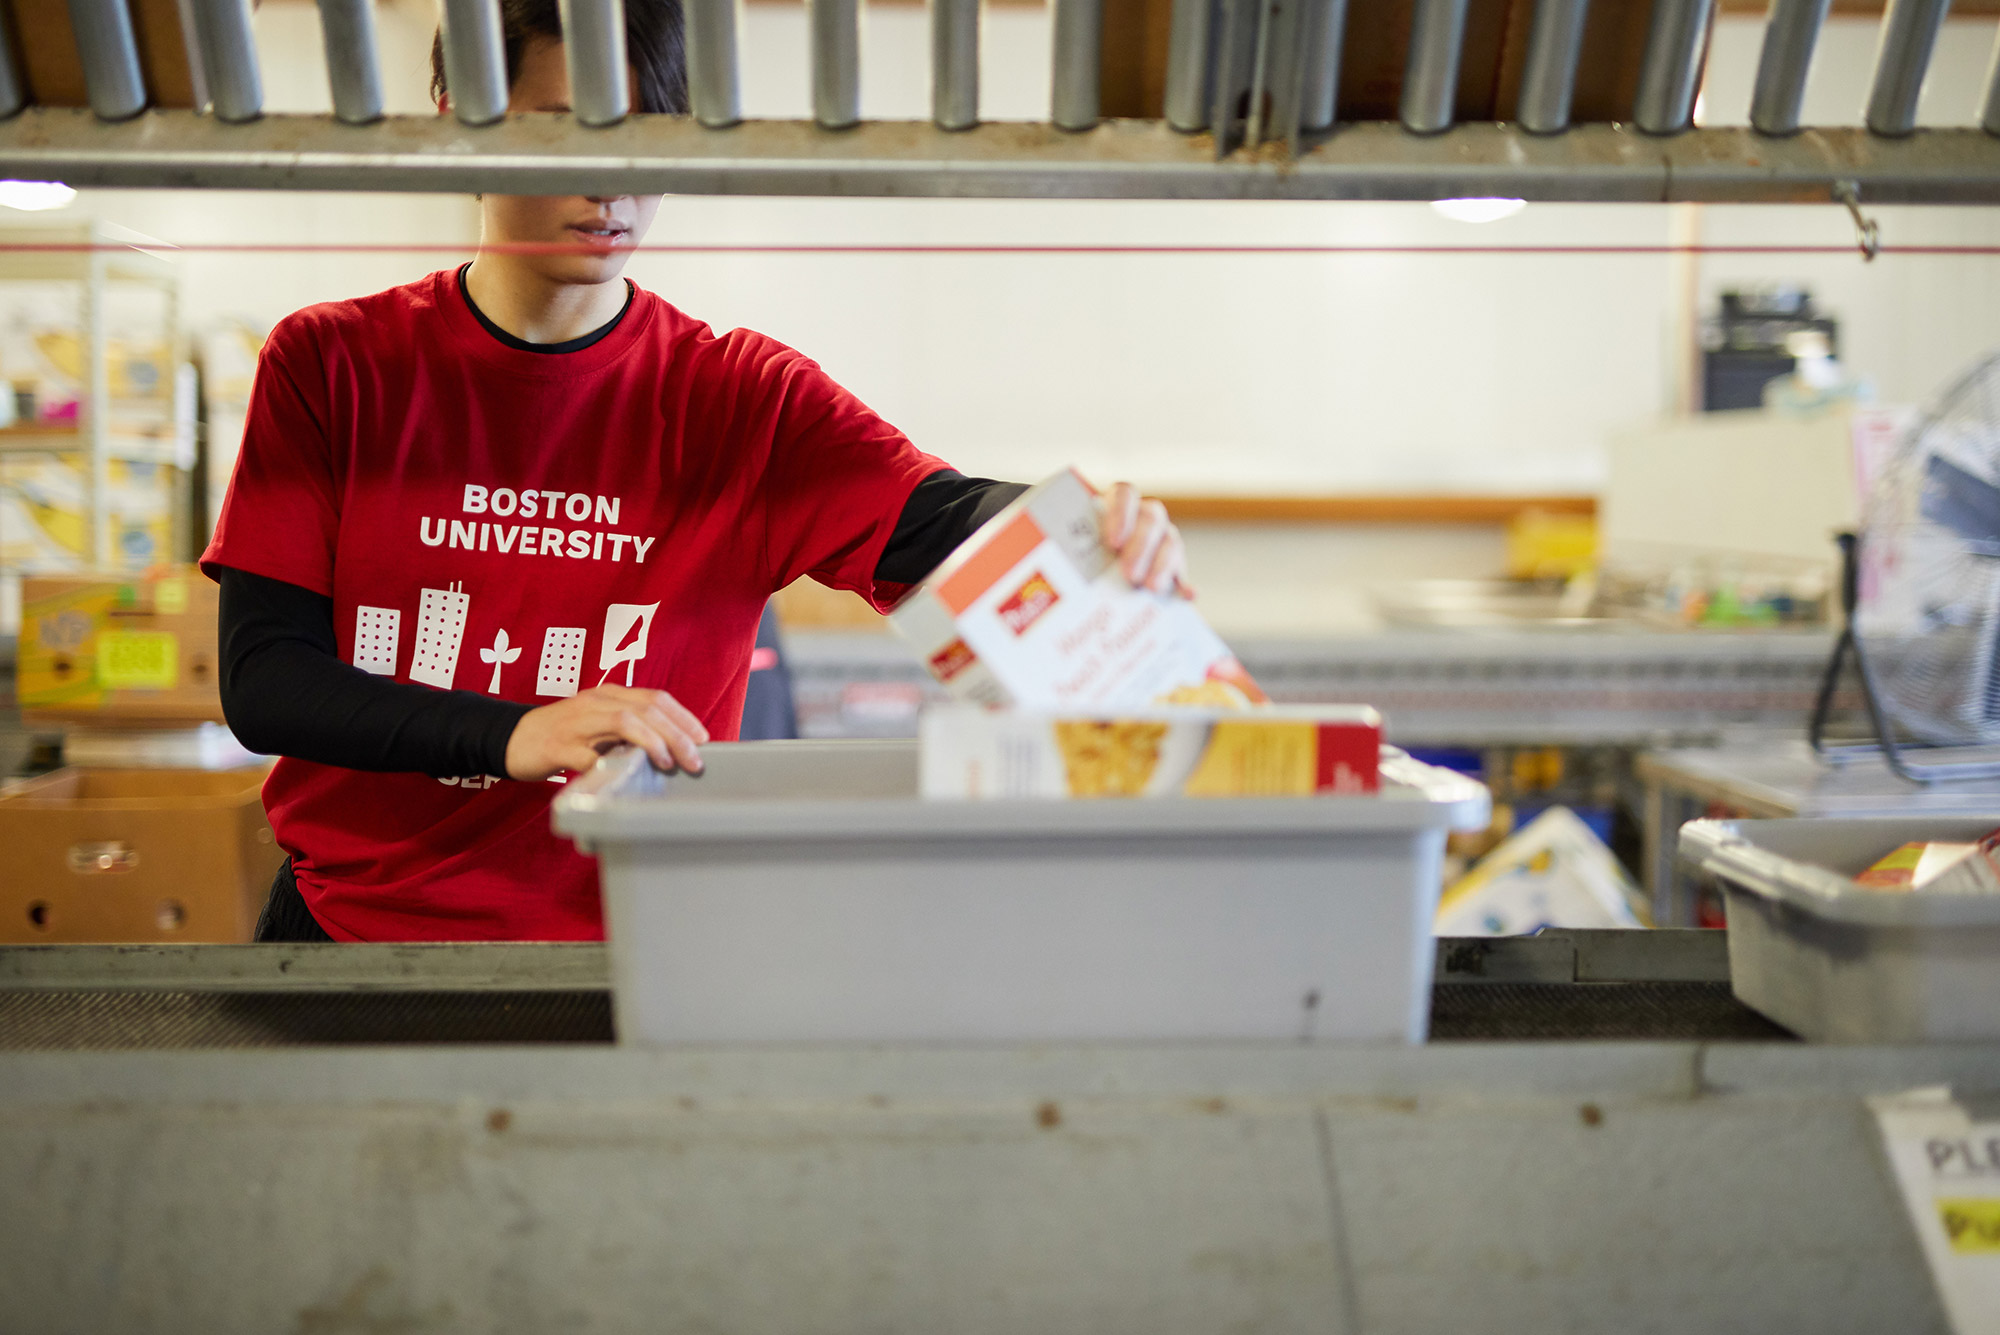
column 1921, row 589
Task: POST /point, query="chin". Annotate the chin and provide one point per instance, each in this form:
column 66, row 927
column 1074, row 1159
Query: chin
column 586, row 269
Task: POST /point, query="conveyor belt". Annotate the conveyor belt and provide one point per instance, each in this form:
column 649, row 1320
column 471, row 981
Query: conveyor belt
column 1659, row 986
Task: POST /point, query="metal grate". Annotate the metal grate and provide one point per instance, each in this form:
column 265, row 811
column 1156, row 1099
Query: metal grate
column 1670, row 1011
column 162, row 1019
column 1249, row 85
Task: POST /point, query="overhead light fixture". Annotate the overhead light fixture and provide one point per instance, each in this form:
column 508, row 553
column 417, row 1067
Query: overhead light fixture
column 1478, row 210
column 35, row 196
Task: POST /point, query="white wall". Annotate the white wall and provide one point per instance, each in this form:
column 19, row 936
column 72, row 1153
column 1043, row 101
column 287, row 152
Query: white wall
column 1218, row 372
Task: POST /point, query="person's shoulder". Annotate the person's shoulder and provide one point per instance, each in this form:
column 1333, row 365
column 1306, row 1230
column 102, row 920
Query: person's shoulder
column 354, row 324
column 736, row 350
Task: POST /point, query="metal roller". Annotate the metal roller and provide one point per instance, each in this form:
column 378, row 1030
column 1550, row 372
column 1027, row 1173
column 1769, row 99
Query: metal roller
column 1670, row 76
column 1909, row 35
column 110, row 55
column 229, row 59
column 352, row 67
column 1079, row 57
column 1319, row 81
column 955, row 64
column 13, row 93
column 713, row 84
column 594, row 51
column 1789, row 37
column 836, row 63
column 1430, row 82
column 1548, row 83
column 475, row 63
column 1190, row 64
column 1989, row 116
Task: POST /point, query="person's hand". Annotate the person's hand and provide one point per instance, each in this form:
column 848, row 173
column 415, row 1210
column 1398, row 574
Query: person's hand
column 1148, row 545
column 571, row 734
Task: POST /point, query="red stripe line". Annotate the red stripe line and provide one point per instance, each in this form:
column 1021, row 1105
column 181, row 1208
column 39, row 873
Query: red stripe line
column 571, row 248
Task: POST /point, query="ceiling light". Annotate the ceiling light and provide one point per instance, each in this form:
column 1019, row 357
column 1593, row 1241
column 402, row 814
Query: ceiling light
column 35, row 196
column 1478, row 210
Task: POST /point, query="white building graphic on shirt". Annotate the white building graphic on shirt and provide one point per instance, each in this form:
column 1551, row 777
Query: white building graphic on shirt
column 377, row 631
column 440, row 633
column 562, row 660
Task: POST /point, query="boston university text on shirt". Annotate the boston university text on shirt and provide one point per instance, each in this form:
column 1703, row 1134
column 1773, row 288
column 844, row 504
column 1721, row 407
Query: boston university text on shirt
column 533, row 539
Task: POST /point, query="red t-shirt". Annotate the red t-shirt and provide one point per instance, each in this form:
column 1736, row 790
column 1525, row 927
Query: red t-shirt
column 528, row 524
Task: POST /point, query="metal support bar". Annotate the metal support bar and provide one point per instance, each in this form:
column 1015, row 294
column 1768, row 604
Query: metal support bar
column 1670, row 74
column 955, row 64
column 1290, row 32
column 110, row 55
column 13, row 93
column 712, row 70
column 1909, row 35
column 1319, row 81
column 545, row 155
column 229, row 59
column 594, row 51
column 1789, row 37
column 352, row 67
column 1190, row 65
column 836, row 62
column 1078, row 57
column 1430, row 82
column 1548, row 83
column 475, row 64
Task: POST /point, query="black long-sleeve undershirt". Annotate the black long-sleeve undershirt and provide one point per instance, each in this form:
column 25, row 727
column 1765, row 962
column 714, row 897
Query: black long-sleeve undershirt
column 285, row 690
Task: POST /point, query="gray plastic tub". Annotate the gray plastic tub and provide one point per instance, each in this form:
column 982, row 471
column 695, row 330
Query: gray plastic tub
column 802, row 892
column 1836, row 963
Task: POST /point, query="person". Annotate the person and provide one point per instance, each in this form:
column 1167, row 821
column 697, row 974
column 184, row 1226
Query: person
column 492, row 523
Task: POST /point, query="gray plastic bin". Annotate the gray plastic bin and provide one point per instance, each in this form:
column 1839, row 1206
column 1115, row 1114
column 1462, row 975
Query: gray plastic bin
column 802, row 892
column 1836, row 963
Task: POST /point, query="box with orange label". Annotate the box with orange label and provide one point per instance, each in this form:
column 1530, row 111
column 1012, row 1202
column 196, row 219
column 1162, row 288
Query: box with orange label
column 138, row 648
column 1177, row 751
column 1033, row 612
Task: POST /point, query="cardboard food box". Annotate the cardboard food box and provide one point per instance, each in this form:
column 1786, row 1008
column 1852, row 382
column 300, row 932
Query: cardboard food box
column 135, row 855
column 1938, row 866
column 133, row 648
column 1277, row 751
column 1032, row 612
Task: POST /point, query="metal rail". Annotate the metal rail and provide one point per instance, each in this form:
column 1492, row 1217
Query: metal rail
column 1261, row 77
column 1116, row 160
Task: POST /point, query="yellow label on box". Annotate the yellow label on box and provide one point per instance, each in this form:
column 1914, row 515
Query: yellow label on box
column 1971, row 1225
column 170, row 597
column 1257, row 758
column 146, row 660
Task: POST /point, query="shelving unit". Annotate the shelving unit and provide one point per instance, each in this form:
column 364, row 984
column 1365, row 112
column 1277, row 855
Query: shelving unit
column 97, row 256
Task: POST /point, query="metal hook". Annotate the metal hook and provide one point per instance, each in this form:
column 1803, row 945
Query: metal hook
column 1867, row 232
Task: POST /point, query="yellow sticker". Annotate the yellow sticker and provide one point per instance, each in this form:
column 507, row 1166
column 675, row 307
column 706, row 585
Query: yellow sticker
column 146, row 660
column 170, row 597
column 1972, row 1225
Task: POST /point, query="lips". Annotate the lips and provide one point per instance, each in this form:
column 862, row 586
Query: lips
column 600, row 234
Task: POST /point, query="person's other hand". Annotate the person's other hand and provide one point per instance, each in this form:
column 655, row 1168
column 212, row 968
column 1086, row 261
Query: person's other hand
column 1149, row 547
column 571, row 734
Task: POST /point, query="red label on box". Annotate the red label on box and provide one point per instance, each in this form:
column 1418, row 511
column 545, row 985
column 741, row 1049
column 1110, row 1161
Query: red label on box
column 951, row 660
column 1349, row 758
column 1026, row 604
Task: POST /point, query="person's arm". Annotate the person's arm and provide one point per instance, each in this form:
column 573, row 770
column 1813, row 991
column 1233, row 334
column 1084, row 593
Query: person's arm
column 943, row 511
column 286, row 692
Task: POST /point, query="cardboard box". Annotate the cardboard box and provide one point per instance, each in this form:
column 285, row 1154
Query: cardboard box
column 1033, row 612
column 135, row 855
column 138, row 649
column 1277, row 751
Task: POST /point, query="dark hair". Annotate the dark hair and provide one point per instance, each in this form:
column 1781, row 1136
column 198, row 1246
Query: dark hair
column 654, row 44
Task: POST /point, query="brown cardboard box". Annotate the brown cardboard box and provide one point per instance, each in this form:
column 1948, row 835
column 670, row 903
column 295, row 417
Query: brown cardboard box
column 47, row 48
column 135, row 855
column 135, row 649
